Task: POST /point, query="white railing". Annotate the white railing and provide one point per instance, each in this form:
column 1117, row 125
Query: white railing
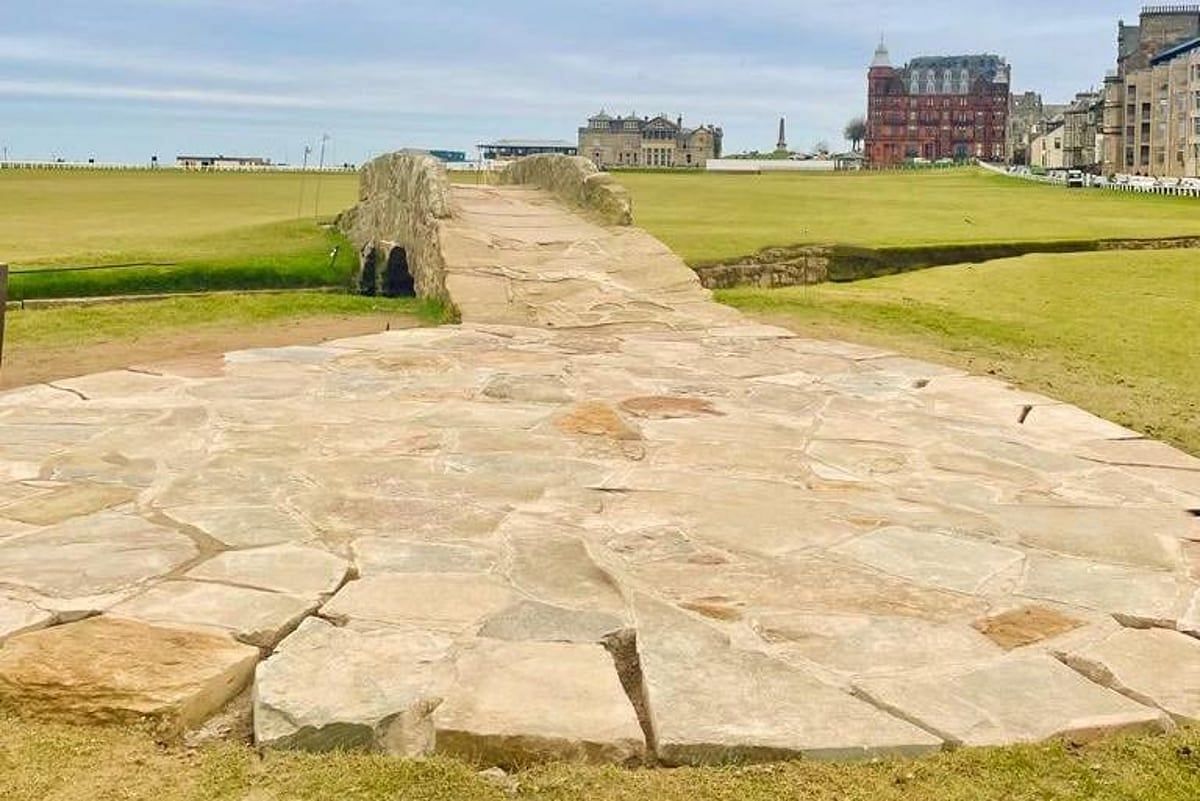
column 1173, row 187
column 84, row 165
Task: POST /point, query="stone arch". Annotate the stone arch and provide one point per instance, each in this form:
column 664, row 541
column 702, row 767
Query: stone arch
column 397, row 278
column 367, row 280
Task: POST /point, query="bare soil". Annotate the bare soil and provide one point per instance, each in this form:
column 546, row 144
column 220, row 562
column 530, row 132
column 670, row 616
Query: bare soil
column 24, row 365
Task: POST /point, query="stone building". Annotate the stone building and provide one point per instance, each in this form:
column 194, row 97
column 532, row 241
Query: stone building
column 1027, row 118
column 1046, row 148
column 648, row 142
column 1151, row 112
column 936, row 108
column 1082, row 142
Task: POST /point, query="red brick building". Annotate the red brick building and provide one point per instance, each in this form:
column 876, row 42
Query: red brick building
column 940, row 107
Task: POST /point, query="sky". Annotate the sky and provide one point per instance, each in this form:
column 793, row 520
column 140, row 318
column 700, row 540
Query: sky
column 121, row 80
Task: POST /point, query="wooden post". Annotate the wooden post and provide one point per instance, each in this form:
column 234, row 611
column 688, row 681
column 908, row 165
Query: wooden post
column 3, row 305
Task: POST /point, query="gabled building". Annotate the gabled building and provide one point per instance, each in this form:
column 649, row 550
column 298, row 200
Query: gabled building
column 937, row 107
column 648, row 142
column 1151, row 116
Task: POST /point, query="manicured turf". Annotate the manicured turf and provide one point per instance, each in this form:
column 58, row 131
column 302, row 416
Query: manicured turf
column 1115, row 333
column 58, row 763
column 81, row 325
column 208, row 230
column 710, row 217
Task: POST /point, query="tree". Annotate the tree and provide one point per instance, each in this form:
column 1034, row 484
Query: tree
column 856, row 132
column 820, row 148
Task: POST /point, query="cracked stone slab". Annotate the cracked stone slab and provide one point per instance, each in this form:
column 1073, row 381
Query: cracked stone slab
column 937, row 560
column 512, row 704
column 710, row 703
column 446, row 602
column 254, row 617
column 289, row 569
column 1155, row 667
column 1019, row 699
column 18, row 617
column 330, row 689
column 105, row 670
column 116, row 551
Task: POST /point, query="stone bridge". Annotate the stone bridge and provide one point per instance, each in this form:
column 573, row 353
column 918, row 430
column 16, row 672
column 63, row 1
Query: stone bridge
column 603, row 518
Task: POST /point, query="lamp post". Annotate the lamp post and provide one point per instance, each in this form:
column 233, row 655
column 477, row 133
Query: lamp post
column 320, row 171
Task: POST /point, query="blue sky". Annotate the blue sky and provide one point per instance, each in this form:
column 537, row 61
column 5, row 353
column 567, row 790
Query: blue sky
column 120, row 80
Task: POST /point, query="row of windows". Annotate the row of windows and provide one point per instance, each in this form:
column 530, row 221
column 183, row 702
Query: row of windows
column 979, row 132
column 648, row 158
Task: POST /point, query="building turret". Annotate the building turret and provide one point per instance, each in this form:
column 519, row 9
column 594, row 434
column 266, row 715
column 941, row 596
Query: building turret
column 882, row 57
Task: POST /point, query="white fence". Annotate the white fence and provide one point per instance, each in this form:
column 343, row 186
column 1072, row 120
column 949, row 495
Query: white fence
column 85, row 165
column 770, row 165
column 1174, row 187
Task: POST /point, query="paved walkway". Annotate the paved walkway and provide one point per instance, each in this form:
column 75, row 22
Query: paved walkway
column 603, row 519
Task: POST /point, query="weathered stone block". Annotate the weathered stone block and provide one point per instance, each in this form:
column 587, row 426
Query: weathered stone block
column 329, row 688
column 517, row 703
column 105, row 670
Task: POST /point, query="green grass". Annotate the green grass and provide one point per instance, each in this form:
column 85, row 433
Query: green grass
column 1115, row 333
column 709, row 217
column 208, row 231
column 76, row 326
column 40, row 762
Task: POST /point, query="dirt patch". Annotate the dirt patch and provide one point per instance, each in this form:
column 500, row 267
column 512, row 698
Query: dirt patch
column 667, row 407
column 198, row 349
column 1025, row 626
column 595, row 419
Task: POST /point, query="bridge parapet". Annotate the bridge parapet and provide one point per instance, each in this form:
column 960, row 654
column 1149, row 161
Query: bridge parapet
column 395, row 226
column 575, row 181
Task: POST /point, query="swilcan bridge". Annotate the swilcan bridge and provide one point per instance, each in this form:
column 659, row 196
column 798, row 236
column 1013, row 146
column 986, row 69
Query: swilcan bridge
column 603, row 518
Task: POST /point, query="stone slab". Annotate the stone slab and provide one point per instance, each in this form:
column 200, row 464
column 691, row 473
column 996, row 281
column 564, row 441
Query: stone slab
column 64, row 503
column 329, row 688
column 290, row 569
column 105, row 670
column 1019, row 699
column 447, row 602
column 254, row 617
column 1154, row 667
column 1136, row 596
column 865, row 645
column 388, row 555
column 937, row 560
column 513, row 704
column 119, row 552
column 710, row 703
column 18, row 617
column 537, row 622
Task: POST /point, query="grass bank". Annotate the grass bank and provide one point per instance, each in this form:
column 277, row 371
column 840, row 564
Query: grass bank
column 178, row 231
column 1115, row 333
column 41, row 762
column 709, row 217
column 46, row 344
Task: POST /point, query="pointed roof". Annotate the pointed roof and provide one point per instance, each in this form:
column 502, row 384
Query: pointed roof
column 882, row 57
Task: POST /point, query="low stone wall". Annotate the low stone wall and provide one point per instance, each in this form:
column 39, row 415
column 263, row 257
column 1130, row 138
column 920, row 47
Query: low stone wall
column 769, row 269
column 395, row 226
column 576, row 181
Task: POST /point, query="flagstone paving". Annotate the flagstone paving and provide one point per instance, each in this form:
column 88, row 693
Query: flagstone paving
column 631, row 526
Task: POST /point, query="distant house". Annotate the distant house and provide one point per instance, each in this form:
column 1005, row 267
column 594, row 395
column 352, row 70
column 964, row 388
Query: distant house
column 219, row 162
column 506, row 149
